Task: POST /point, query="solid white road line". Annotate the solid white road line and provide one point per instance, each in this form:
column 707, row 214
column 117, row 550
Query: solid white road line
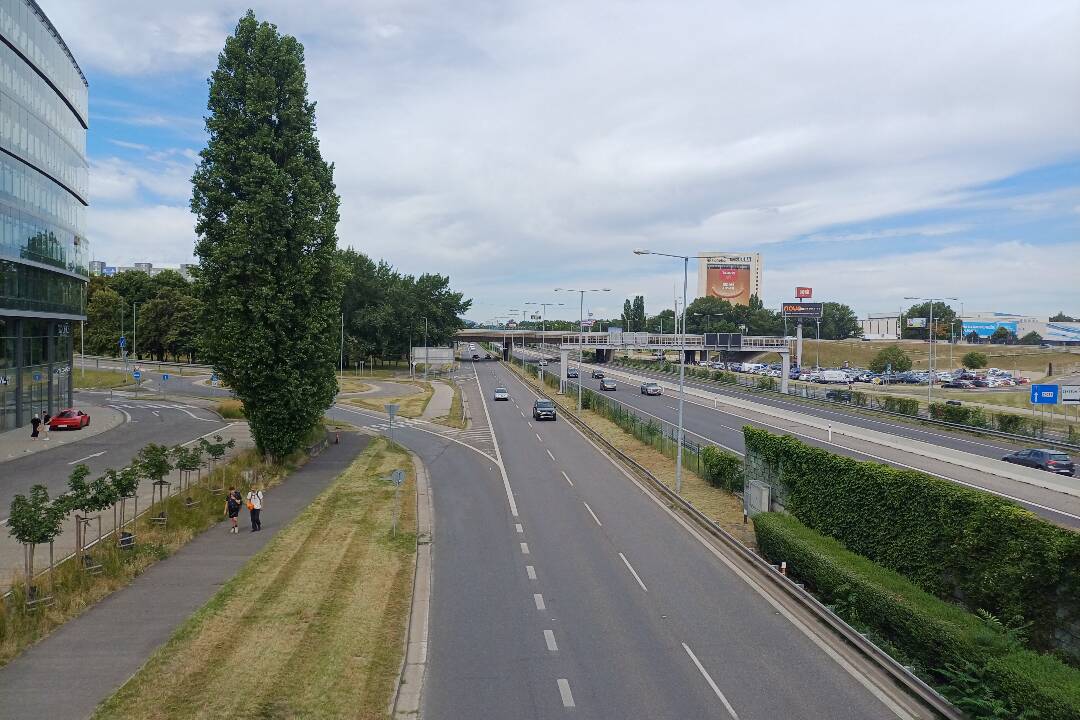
column 539, row 600
column 194, row 415
column 708, row 679
column 549, row 638
column 498, row 453
column 522, row 413
column 530, row 423
column 530, row 571
column 539, row 438
column 564, row 692
column 518, row 527
column 524, row 548
column 567, row 477
column 127, row 415
column 592, row 513
column 633, row 572
column 97, row 454
column 551, row 456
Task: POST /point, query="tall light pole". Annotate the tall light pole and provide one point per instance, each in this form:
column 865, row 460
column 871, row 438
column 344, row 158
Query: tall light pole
column 682, row 363
column 930, row 351
column 426, row 356
column 136, row 357
column 543, row 319
column 341, row 351
column 581, row 332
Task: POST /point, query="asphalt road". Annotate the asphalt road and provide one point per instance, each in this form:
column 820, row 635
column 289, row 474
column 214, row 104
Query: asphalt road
column 724, row 428
column 163, row 422
column 558, row 594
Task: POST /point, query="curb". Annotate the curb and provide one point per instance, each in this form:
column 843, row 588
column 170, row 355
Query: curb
column 99, row 427
column 409, row 690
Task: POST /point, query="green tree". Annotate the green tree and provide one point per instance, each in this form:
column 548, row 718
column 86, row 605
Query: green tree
column 944, row 316
column 153, row 461
column 639, row 317
column 35, row 520
column 974, row 360
column 183, row 334
column 103, row 315
column 1003, row 336
column 839, row 322
column 1062, row 317
column 134, row 286
column 891, row 356
column 267, row 213
column 1032, row 338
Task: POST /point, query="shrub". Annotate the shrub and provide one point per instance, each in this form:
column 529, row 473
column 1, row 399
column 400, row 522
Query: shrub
column 231, row 409
column 766, row 383
column 1007, row 422
column 959, row 415
column 904, row 406
column 724, row 377
column 975, row 359
column 722, row 468
column 892, row 356
column 952, row 541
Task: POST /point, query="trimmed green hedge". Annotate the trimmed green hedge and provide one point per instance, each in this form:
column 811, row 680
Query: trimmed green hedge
column 929, row 633
column 952, row 541
column 722, row 468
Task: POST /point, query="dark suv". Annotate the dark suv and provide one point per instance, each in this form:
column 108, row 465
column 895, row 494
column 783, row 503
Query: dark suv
column 543, row 410
column 598, row 374
column 571, row 372
column 1053, row 461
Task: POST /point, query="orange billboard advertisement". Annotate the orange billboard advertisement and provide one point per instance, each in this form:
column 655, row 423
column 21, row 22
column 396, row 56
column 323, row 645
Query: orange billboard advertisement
column 729, row 281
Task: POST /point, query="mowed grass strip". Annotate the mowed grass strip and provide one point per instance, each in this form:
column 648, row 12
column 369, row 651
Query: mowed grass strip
column 410, row 406
column 313, row 625
column 87, row 379
column 454, row 418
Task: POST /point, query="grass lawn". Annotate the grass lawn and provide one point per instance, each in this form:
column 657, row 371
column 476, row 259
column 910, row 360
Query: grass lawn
column 231, row 409
column 87, row 379
column 311, row 627
column 859, row 353
column 348, row 384
column 454, row 418
column 410, row 406
column 723, row 507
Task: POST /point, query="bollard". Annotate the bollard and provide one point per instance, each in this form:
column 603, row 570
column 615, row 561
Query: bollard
column 830, row 433
column 744, row 517
column 783, row 568
column 337, row 438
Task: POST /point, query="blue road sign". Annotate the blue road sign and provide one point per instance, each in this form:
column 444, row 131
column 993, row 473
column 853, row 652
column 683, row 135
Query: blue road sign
column 213, row 378
column 123, row 341
column 137, row 375
column 1044, row 394
column 164, row 376
column 37, row 377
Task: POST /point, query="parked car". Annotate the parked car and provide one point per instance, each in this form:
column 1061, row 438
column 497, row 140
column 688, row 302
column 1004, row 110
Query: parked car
column 542, row 362
column 70, row 419
column 571, row 372
column 651, row 388
column 543, row 409
column 1053, row 461
column 501, row 394
column 598, row 374
column 607, row 384
column 838, row 396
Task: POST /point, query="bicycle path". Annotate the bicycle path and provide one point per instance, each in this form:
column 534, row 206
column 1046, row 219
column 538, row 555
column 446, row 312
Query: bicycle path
column 66, row 675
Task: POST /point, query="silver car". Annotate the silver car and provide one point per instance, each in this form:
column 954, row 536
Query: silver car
column 501, row 394
column 651, row 388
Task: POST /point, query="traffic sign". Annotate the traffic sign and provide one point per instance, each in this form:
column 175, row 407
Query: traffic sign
column 37, row 376
column 1070, row 394
column 391, row 409
column 1044, row 394
column 123, row 341
column 164, row 377
column 397, row 477
column 137, row 375
column 213, row 378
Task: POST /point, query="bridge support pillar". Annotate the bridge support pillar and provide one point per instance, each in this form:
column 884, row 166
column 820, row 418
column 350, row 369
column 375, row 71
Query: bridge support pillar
column 785, row 360
column 564, row 357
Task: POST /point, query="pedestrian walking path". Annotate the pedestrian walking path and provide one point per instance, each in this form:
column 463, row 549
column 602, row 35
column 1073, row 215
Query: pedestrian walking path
column 66, row 676
column 441, row 400
column 17, row 443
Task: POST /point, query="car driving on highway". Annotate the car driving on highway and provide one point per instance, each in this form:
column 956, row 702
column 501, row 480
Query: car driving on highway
column 1053, row 461
column 607, row 384
column 501, row 394
column 651, row 388
column 571, row 372
column 70, row 419
column 543, row 409
column 598, row 374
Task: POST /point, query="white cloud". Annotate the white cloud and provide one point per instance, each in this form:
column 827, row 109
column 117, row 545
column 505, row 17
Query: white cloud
column 164, row 174
column 161, row 234
column 526, row 144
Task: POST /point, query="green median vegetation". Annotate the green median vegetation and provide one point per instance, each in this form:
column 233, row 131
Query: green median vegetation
column 86, row 379
column 312, row 627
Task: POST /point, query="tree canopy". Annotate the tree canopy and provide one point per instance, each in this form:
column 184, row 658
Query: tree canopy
column 891, row 358
column 944, row 316
column 839, row 322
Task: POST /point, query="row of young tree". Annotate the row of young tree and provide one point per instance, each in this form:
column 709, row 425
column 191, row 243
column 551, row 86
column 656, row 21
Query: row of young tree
column 36, row 519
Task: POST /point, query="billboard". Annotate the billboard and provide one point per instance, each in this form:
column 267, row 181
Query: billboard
column 1070, row 394
column 986, row 329
column 802, row 310
column 734, row 277
column 804, row 293
column 916, row 322
column 110, row 270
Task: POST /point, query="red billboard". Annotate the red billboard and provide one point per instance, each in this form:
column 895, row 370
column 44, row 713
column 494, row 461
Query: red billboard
column 803, row 293
column 729, row 281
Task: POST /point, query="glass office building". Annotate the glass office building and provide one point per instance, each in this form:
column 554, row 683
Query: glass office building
column 43, row 198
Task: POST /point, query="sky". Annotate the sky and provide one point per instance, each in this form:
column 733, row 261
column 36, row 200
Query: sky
column 870, row 150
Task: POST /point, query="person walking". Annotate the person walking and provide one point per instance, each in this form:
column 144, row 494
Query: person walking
column 35, row 425
column 233, row 503
column 255, row 503
column 45, row 423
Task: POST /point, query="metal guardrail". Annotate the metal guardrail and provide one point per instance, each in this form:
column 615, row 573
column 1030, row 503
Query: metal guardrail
column 914, row 686
column 748, row 388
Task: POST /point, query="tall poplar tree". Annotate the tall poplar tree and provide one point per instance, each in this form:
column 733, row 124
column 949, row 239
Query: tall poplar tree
column 267, row 214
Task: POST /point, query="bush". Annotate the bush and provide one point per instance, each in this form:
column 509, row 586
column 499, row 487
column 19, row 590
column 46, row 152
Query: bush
column 952, row 541
column 1007, row 422
column 722, row 468
column 930, row 632
column 975, row 359
column 891, row 356
column 766, row 383
column 724, row 377
column 960, row 415
column 904, row 406
column 231, row 409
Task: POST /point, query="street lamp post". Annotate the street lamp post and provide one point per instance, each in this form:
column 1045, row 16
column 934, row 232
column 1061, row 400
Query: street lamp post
column 682, row 364
column 426, row 356
column 930, row 350
column 581, row 333
column 543, row 320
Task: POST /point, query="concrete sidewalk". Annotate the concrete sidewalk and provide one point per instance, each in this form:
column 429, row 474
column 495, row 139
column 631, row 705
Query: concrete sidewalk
column 17, row 443
column 66, row 675
column 441, row 399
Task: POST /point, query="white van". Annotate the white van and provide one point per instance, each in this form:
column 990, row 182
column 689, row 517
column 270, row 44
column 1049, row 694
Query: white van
column 833, row 376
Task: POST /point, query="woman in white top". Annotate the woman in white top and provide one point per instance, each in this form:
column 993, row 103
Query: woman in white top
column 255, row 503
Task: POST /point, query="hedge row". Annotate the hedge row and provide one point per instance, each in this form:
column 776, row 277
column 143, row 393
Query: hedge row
column 952, row 541
column 931, row 634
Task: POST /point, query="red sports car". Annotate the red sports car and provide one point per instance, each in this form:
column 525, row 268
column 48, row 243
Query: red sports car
column 70, row 419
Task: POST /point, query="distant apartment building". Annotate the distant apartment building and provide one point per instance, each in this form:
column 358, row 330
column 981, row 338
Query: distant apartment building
column 100, row 267
column 97, row 268
column 43, row 198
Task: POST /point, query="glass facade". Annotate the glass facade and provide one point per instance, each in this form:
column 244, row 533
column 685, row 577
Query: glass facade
column 43, row 189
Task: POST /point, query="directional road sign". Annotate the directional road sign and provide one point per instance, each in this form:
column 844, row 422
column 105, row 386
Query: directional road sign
column 137, row 375
column 1070, row 394
column 1044, row 394
column 123, row 341
column 391, row 409
column 397, row 477
column 37, row 376
column 164, row 376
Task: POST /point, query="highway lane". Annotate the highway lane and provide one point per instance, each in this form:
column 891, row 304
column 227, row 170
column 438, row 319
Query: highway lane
column 647, row 621
column 168, row 423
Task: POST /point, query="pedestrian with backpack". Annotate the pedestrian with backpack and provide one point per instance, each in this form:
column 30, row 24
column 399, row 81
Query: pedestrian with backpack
column 233, row 503
column 254, row 504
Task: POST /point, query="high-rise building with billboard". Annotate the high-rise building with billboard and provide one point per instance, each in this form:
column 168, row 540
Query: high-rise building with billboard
column 43, row 197
column 730, row 276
